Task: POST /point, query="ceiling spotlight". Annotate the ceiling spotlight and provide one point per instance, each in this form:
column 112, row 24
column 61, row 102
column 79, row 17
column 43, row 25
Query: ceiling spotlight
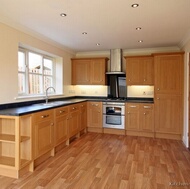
column 84, row 33
column 63, row 14
column 138, row 28
column 97, row 44
column 140, row 41
column 135, row 5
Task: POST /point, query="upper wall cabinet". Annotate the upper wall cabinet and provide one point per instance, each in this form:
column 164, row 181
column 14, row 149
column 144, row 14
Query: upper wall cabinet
column 139, row 70
column 89, row 71
column 168, row 73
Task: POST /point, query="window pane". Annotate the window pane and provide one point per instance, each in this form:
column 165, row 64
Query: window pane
column 35, row 84
column 35, row 63
column 21, row 61
column 48, row 82
column 48, row 67
column 21, row 83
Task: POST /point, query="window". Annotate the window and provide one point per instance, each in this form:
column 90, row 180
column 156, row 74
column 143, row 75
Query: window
column 35, row 72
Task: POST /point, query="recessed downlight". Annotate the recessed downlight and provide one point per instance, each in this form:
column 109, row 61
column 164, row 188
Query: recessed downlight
column 138, row 28
column 84, row 33
column 140, row 41
column 97, row 44
column 135, row 5
column 63, row 15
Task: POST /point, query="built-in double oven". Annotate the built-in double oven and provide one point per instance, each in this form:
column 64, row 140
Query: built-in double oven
column 114, row 115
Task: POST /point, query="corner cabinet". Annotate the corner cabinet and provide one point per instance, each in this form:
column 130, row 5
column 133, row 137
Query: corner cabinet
column 16, row 145
column 89, row 71
column 139, row 70
column 169, row 95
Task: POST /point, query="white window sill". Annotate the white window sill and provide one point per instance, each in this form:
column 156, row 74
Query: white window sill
column 38, row 96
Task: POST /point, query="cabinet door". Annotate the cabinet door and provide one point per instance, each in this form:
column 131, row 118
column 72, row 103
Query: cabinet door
column 43, row 133
column 61, row 130
column 43, row 137
column 168, row 73
column 133, row 71
column 132, row 117
column 83, row 116
column 168, row 117
column 95, row 114
column 147, row 117
column 98, row 69
column 148, row 71
column 81, row 72
column 74, row 122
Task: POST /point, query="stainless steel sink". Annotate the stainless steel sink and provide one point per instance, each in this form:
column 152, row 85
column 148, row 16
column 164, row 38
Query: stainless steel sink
column 54, row 103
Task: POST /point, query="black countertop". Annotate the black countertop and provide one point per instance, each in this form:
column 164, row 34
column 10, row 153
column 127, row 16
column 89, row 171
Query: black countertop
column 22, row 108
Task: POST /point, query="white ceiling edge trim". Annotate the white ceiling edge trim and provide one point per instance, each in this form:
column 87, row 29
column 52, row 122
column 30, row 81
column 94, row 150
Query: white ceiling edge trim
column 148, row 51
column 185, row 40
column 32, row 33
column 143, row 51
column 93, row 54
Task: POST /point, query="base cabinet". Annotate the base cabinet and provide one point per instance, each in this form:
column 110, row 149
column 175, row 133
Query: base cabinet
column 83, row 116
column 15, row 145
column 168, row 117
column 94, row 118
column 61, row 125
column 74, row 119
column 43, row 123
column 140, row 119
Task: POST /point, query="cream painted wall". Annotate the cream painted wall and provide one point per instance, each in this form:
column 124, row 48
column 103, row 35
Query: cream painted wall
column 186, row 48
column 10, row 39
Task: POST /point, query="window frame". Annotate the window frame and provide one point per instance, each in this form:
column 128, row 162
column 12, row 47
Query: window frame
column 27, row 72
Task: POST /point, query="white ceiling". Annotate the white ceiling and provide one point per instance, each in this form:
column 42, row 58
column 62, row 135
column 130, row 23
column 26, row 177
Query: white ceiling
column 111, row 23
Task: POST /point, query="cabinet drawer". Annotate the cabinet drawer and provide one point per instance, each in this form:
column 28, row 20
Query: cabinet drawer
column 74, row 107
column 132, row 106
column 43, row 115
column 61, row 111
column 147, row 106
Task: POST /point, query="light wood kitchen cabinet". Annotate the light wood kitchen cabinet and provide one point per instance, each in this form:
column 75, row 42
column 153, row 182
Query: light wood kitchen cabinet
column 89, row 71
column 81, row 71
column 168, row 116
column 43, row 123
column 140, row 119
column 146, row 117
column 61, row 124
column 16, row 145
column 132, row 117
column 169, row 95
column 139, row 70
column 83, row 116
column 74, row 119
column 94, row 116
column 168, row 73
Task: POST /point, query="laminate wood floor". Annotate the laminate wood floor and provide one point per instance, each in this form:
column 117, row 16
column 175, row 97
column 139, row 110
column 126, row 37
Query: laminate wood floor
column 97, row 161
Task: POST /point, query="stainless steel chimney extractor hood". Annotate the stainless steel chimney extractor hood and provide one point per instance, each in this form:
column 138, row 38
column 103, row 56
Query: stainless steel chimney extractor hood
column 116, row 62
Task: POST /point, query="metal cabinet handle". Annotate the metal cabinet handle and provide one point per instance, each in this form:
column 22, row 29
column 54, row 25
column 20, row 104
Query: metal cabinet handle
column 147, row 107
column 74, row 108
column 144, row 113
column 133, row 106
column 158, row 98
column 61, row 111
column 52, row 124
column 129, row 80
column 144, row 79
column 158, row 89
column 96, row 104
column 44, row 116
column 128, row 112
